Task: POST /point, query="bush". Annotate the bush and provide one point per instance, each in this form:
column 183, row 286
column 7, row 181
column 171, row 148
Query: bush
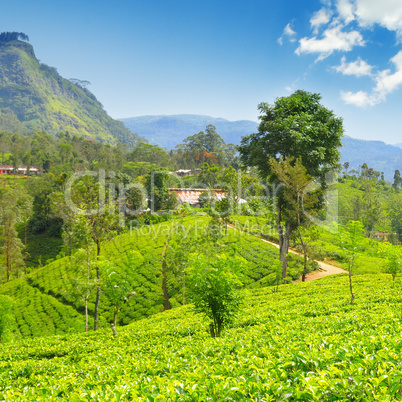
column 214, row 290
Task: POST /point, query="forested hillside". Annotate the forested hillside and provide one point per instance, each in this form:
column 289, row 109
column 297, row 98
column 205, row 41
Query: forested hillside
column 386, row 158
column 169, row 131
column 34, row 97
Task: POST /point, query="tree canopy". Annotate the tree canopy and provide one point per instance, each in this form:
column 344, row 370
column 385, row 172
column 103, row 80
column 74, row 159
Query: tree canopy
column 296, row 126
column 10, row 36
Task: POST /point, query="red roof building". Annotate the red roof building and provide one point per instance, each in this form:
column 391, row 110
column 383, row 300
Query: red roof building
column 8, row 169
column 191, row 195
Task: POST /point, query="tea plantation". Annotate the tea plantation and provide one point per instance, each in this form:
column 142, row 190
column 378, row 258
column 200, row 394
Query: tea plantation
column 304, row 342
column 46, row 302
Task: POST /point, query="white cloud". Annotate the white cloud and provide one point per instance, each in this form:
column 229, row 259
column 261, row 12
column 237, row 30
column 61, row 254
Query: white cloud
column 333, row 39
column 339, row 26
column 321, row 17
column 345, row 10
column 388, row 82
column 289, row 33
column 360, row 98
column 387, row 13
column 359, row 68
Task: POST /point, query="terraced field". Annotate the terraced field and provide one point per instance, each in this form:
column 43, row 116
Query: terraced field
column 46, row 302
column 304, row 342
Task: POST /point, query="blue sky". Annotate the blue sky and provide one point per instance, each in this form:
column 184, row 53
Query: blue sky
column 222, row 58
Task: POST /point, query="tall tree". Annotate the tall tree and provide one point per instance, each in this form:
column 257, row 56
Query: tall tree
column 25, row 209
column 203, row 147
column 372, row 212
column 89, row 197
column 149, row 153
column 11, row 247
column 300, row 202
column 351, row 240
column 118, row 283
column 395, row 214
column 397, row 180
column 5, row 143
column 299, row 126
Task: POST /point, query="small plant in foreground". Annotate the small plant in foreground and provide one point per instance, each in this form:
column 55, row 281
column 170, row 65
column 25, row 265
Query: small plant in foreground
column 214, row 289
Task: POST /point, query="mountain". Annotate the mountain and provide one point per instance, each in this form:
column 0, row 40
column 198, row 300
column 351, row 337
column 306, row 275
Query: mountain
column 168, row 131
column 377, row 154
column 34, row 97
column 398, row 145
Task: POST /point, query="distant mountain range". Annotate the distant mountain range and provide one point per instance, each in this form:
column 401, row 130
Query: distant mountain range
column 168, row 131
column 34, row 97
column 377, row 154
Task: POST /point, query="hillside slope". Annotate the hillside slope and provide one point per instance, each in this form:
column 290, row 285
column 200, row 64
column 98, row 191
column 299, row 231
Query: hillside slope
column 46, row 302
column 377, row 154
column 305, row 343
column 34, row 97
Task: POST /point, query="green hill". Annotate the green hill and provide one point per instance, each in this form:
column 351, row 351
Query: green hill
column 377, row 154
column 305, row 343
column 34, row 97
column 46, row 303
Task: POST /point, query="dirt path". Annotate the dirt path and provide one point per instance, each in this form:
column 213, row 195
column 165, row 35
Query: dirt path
column 325, row 269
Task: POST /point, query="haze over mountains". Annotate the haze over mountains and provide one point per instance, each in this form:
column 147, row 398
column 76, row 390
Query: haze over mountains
column 168, row 131
column 34, row 97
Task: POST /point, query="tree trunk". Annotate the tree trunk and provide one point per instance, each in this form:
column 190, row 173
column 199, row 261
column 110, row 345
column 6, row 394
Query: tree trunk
column 284, row 239
column 304, row 245
column 350, row 285
column 212, row 330
column 8, row 259
column 98, row 290
column 184, row 290
column 305, row 264
column 114, row 324
column 86, row 314
column 219, row 328
column 166, row 303
column 25, row 257
column 281, row 238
